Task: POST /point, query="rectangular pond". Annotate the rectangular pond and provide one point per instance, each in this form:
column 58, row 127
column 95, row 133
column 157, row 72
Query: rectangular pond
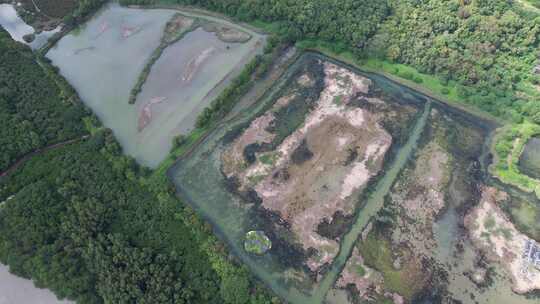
column 104, row 59
column 292, row 139
column 291, row 190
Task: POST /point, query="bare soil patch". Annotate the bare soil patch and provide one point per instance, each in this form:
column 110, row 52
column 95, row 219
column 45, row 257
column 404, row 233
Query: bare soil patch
column 321, row 167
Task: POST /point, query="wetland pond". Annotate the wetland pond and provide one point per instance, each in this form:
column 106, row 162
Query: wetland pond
column 529, row 162
column 14, row 289
column 104, row 59
column 17, row 28
column 365, row 188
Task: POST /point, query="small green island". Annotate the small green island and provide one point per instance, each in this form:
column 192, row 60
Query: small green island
column 257, row 242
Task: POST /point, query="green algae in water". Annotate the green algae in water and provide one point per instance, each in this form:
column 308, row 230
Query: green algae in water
column 257, row 242
column 525, row 214
column 529, row 162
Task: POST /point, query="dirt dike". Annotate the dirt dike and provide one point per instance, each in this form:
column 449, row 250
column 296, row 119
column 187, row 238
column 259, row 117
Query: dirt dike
column 176, row 27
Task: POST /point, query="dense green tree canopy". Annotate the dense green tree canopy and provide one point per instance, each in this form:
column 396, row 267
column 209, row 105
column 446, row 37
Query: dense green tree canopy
column 77, row 224
column 350, row 21
column 32, row 110
column 83, row 220
column 487, row 46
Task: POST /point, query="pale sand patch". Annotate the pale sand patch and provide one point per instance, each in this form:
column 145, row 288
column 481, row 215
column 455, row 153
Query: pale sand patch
column 342, row 141
column 193, row 65
column 360, row 174
column 338, row 82
column 145, row 114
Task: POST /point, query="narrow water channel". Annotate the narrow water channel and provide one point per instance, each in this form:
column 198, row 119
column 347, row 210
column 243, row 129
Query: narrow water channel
column 372, row 206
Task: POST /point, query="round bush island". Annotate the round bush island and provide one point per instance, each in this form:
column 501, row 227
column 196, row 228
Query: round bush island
column 29, row 38
column 257, row 242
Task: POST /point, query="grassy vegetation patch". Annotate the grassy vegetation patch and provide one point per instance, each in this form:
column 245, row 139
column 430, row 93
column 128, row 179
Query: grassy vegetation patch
column 510, row 143
column 53, row 8
column 269, row 158
column 378, row 254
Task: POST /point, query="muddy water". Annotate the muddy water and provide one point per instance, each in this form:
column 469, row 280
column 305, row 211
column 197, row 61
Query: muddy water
column 103, row 59
column 17, row 28
column 529, row 162
column 18, row 290
column 455, row 252
column 446, row 233
column 103, row 65
column 184, row 78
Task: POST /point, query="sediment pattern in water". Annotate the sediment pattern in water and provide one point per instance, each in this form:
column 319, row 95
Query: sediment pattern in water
column 103, row 61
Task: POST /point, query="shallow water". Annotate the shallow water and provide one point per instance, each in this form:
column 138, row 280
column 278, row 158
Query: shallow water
column 185, row 99
column 103, row 65
column 529, row 162
column 17, row 28
column 448, row 232
column 14, row 289
column 200, row 182
column 457, row 264
column 462, row 289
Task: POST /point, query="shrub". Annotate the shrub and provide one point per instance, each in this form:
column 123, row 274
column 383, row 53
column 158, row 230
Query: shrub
column 407, row 75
